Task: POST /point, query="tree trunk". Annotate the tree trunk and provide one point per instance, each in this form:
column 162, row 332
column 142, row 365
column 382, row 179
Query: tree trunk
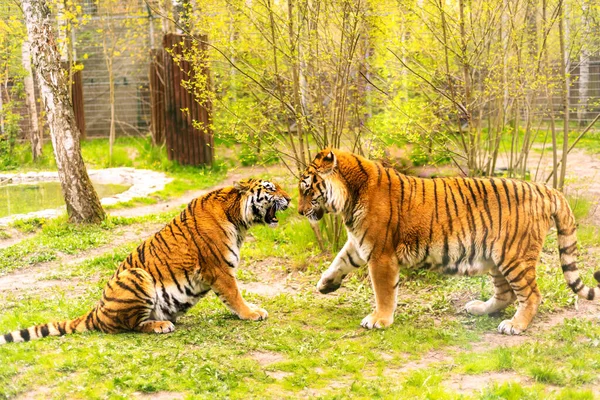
column 584, row 67
column 296, row 100
column 82, row 201
column 471, row 159
column 35, row 132
column 563, row 32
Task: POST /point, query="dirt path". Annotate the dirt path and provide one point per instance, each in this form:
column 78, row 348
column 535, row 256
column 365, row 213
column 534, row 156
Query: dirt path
column 14, row 237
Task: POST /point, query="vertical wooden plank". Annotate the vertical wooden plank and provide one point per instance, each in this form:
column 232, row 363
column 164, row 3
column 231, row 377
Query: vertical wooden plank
column 169, row 99
column 177, row 133
column 186, row 117
column 181, row 98
column 77, row 94
column 157, row 97
column 152, row 72
column 160, row 84
column 194, row 143
column 208, row 149
column 199, row 116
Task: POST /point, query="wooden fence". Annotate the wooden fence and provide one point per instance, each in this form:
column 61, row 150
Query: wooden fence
column 157, row 97
column 77, row 99
column 180, row 119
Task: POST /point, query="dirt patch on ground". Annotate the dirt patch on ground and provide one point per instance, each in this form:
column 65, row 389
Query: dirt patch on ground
column 15, row 236
column 469, row 384
column 38, row 277
column 584, row 310
column 432, row 357
column 160, row 396
column 42, row 392
column 465, row 384
column 335, row 388
column 491, row 340
column 271, row 279
column 278, row 375
column 266, row 358
column 541, row 323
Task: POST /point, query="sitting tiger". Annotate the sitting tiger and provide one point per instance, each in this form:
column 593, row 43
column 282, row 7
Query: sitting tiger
column 462, row 226
column 169, row 272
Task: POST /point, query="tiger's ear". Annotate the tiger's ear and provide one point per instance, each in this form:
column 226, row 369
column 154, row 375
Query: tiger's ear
column 243, row 186
column 327, row 164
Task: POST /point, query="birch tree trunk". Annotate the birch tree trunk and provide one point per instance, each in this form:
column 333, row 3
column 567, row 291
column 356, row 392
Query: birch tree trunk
column 81, row 199
column 34, row 131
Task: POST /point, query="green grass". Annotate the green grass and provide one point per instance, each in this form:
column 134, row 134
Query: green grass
column 28, row 225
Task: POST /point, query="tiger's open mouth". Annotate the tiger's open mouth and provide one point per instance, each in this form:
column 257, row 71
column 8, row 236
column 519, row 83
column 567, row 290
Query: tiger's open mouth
column 270, row 217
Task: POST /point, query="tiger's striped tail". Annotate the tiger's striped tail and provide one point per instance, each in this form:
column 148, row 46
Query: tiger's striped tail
column 80, row 324
column 567, row 247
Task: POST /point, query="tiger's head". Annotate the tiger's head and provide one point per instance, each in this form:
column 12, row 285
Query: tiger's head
column 261, row 200
column 320, row 187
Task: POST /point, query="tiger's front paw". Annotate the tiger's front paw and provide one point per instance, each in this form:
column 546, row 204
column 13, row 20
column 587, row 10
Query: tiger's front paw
column 510, row 327
column 476, row 307
column 328, row 284
column 255, row 313
column 378, row 321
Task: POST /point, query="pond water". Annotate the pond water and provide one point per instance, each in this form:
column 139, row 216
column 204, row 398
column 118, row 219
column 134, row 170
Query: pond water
column 25, row 198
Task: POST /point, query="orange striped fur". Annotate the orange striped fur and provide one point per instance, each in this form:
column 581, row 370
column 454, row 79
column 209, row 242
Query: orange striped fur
column 171, row 271
column 462, row 226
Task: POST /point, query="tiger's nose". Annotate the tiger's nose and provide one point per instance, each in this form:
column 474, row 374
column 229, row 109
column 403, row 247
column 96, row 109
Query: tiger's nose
column 287, row 202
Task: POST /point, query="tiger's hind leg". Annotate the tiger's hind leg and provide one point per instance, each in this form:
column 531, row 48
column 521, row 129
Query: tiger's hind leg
column 128, row 301
column 521, row 277
column 503, row 297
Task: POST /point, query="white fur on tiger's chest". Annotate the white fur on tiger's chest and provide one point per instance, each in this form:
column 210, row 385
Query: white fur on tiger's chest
column 336, row 195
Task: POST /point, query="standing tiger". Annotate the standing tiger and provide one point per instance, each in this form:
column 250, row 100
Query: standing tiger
column 454, row 225
column 169, row 272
